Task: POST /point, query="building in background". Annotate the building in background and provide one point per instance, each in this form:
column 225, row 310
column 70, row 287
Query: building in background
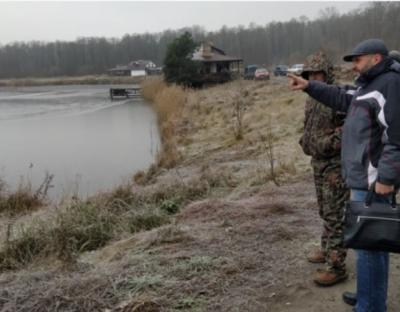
column 216, row 65
column 135, row 69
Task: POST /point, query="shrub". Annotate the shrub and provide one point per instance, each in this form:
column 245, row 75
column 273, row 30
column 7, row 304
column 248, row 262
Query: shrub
column 32, row 242
column 146, row 221
column 82, row 227
column 170, row 206
column 24, row 199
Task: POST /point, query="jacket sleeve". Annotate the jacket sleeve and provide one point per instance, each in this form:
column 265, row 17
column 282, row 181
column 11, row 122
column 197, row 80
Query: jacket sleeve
column 330, row 145
column 336, row 97
column 389, row 162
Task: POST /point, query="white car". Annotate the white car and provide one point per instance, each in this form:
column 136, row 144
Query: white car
column 296, row 69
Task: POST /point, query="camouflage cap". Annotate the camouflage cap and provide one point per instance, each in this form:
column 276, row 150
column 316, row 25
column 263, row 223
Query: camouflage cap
column 318, row 62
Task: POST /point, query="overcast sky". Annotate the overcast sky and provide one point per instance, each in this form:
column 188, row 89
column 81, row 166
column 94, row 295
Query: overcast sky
column 48, row 21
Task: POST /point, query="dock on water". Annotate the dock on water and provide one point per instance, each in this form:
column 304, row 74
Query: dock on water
column 124, row 92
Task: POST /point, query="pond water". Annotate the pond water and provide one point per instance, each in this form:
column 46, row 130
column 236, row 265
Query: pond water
column 76, row 133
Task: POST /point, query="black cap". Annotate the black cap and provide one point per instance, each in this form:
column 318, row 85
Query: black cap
column 370, row 46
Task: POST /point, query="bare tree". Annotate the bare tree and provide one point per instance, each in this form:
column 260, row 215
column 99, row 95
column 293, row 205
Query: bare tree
column 240, row 104
column 268, row 140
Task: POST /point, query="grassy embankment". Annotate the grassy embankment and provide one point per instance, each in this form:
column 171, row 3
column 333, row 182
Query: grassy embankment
column 81, row 226
column 224, row 142
column 254, row 126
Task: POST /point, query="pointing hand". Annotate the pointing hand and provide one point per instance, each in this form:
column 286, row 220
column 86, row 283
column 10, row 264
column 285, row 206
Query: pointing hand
column 297, row 83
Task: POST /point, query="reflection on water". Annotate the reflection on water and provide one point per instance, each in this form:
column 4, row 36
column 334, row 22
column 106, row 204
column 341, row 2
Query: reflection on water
column 76, row 133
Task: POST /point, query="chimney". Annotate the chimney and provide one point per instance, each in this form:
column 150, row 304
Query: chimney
column 206, row 49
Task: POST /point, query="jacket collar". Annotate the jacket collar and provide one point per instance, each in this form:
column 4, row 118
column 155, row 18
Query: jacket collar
column 373, row 72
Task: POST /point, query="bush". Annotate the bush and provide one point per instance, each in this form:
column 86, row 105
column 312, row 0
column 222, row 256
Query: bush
column 24, row 199
column 32, row 242
column 170, row 206
column 82, row 227
column 145, row 221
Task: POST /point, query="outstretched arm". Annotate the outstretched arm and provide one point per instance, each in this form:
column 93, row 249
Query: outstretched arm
column 337, row 98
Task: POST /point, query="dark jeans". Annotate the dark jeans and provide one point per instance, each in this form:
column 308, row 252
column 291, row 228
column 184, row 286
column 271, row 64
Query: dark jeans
column 372, row 271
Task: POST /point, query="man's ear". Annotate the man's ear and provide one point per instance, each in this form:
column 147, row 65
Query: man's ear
column 378, row 58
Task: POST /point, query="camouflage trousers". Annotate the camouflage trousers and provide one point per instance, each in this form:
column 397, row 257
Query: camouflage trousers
column 332, row 195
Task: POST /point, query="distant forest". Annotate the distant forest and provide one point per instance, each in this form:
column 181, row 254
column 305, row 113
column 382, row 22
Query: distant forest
column 276, row 42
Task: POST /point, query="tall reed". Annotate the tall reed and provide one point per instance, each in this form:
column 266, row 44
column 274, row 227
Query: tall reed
column 168, row 102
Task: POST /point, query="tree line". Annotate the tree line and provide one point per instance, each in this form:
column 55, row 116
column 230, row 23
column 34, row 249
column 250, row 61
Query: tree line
column 276, row 42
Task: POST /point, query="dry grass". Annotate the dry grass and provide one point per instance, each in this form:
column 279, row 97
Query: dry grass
column 272, row 111
column 206, row 120
column 170, row 234
column 215, row 242
column 193, row 265
column 207, row 114
column 60, row 293
column 88, row 225
column 203, row 126
column 168, row 102
column 81, row 226
column 24, row 199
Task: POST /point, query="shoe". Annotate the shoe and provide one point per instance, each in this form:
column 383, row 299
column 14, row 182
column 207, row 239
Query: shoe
column 349, row 298
column 324, row 277
column 317, row 256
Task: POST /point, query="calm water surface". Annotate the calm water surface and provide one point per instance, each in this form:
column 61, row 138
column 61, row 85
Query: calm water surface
column 89, row 143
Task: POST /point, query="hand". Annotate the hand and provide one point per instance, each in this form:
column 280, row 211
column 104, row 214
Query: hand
column 297, row 83
column 383, row 189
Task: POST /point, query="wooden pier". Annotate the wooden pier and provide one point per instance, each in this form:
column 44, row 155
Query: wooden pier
column 124, row 92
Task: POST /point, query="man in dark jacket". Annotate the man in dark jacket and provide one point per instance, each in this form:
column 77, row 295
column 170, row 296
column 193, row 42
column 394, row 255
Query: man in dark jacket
column 321, row 140
column 370, row 148
column 350, row 297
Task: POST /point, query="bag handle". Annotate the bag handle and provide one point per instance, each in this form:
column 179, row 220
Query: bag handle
column 370, row 195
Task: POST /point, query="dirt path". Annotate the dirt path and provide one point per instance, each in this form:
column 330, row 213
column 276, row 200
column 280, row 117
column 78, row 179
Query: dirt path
column 267, row 237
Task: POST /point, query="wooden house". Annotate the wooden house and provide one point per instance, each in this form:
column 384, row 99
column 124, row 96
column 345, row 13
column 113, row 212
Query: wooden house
column 216, row 65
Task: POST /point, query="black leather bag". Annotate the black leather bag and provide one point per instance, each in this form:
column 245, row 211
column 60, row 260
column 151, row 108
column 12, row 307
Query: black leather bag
column 371, row 225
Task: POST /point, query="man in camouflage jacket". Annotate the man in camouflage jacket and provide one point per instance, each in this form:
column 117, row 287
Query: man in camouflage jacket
column 322, row 140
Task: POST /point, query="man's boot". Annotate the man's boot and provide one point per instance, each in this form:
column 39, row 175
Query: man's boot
column 349, row 298
column 317, row 256
column 325, row 277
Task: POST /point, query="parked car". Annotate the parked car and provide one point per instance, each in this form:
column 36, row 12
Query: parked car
column 280, row 70
column 296, row 69
column 249, row 71
column 261, row 74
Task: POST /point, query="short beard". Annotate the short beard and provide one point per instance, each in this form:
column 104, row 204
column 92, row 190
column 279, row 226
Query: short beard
column 367, row 67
